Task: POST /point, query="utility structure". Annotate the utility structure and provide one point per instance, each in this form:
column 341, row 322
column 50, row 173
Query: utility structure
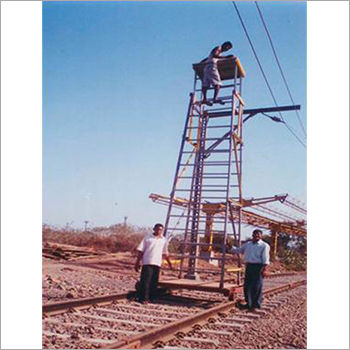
column 249, row 217
column 208, row 175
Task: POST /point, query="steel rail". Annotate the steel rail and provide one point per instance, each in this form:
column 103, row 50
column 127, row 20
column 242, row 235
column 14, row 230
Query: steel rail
column 149, row 337
column 84, row 302
column 144, row 339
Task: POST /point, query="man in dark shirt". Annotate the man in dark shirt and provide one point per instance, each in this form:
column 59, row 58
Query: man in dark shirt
column 211, row 76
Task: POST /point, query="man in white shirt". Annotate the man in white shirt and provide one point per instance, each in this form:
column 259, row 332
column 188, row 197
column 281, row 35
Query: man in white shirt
column 257, row 258
column 151, row 250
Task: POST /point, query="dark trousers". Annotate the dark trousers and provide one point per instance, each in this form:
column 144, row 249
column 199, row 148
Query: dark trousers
column 253, row 285
column 148, row 282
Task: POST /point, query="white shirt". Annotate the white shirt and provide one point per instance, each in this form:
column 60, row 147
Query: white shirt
column 254, row 253
column 153, row 248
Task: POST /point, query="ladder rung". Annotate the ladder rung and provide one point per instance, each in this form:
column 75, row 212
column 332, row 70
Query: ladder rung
column 217, row 138
column 203, row 190
column 218, row 218
column 222, row 164
column 223, row 201
column 189, row 230
column 199, row 257
column 215, row 174
column 213, row 127
column 207, row 197
column 204, row 222
column 219, row 114
column 222, row 87
column 205, row 177
column 212, row 164
column 215, row 116
column 207, row 165
column 214, row 177
column 219, row 151
column 209, row 176
column 224, row 98
column 221, row 109
column 203, row 244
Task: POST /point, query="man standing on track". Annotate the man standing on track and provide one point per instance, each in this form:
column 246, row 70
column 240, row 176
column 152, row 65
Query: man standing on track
column 151, row 250
column 257, row 257
column 211, row 76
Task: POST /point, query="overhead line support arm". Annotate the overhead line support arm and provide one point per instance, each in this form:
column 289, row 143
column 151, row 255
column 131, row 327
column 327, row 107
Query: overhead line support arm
column 251, row 113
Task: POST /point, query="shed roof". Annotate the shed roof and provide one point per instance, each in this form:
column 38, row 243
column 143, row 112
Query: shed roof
column 226, row 68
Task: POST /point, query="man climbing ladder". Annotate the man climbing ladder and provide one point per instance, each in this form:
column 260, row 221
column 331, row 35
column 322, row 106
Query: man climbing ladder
column 211, row 76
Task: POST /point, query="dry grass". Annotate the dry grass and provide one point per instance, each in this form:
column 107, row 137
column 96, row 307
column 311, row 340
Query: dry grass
column 113, row 239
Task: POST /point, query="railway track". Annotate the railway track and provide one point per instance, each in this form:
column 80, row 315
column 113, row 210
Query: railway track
column 183, row 318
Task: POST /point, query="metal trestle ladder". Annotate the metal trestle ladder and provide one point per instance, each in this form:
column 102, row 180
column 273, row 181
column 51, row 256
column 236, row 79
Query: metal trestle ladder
column 208, row 177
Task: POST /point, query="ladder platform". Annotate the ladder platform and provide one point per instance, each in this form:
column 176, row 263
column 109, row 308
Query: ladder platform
column 204, row 286
column 226, row 68
column 219, row 114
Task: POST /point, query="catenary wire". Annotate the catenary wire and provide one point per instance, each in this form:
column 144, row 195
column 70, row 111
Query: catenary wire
column 264, row 75
column 279, row 65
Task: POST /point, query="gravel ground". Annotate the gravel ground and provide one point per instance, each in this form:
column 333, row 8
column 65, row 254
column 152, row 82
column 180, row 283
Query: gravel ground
column 285, row 328
column 64, row 281
column 282, row 328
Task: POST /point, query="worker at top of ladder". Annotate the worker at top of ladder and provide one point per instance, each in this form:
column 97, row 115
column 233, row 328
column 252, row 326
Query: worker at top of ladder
column 211, row 76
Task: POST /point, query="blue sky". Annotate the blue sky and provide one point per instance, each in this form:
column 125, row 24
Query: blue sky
column 116, row 81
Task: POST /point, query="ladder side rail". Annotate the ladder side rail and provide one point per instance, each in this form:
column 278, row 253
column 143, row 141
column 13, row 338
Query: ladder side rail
column 232, row 216
column 193, row 203
column 240, row 145
column 189, row 209
column 197, row 196
column 240, row 86
column 190, row 206
column 240, row 210
column 241, row 169
column 223, row 248
column 232, row 128
column 189, row 216
column 196, row 78
column 240, row 135
column 235, row 233
column 239, row 130
column 172, row 195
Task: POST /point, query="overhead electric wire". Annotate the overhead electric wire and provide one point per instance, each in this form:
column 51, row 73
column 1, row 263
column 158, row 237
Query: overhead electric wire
column 295, row 206
column 264, row 75
column 279, row 65
column 274, row 212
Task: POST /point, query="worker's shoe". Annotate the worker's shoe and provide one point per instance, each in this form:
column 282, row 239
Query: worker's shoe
column 206, row 102
column 242, row 306
column 219, row 101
